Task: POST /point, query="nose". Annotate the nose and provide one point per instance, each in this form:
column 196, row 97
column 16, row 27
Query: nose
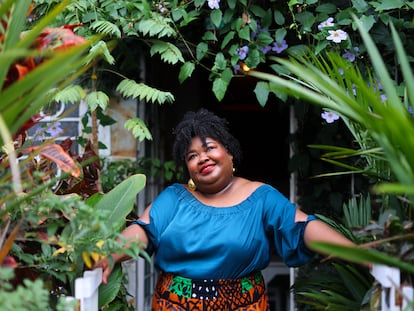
column 202, row 157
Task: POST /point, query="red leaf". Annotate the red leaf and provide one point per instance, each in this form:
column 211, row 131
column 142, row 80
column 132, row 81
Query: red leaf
column 10, row 262
column 56, row 154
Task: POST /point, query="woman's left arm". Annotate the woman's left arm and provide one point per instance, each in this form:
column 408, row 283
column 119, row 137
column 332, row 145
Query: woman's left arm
column 318, row 231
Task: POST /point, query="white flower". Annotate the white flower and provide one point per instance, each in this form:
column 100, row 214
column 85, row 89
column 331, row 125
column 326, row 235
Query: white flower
column 329, row 116
column 214, row 4
column 337, row 35
column 327, row 23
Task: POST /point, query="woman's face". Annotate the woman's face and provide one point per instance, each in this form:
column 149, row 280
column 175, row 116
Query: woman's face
column 209, row 164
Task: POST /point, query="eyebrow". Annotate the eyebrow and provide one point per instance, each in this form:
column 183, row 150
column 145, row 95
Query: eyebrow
column 203, row 145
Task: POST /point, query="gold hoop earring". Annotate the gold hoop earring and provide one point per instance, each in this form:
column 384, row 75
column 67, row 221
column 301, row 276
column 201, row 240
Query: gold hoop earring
column 234, row 170
column 191, row 185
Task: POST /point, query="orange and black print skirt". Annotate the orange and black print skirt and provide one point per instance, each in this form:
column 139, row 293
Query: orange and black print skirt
column 176, row 293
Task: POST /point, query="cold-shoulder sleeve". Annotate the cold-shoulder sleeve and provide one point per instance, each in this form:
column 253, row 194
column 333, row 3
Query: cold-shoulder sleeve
column 288, row 235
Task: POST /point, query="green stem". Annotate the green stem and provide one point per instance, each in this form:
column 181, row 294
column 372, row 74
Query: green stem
column 9, row 149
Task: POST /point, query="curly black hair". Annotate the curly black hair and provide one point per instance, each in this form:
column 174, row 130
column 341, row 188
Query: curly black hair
column 203, row 123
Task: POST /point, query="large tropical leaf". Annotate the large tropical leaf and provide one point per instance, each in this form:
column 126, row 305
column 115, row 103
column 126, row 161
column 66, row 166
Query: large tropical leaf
column 119, row 202
column 108, row 292
column 362, row 255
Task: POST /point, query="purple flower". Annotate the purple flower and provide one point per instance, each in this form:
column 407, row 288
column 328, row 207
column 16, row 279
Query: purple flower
column 214, row 4
column 265, row 49
column 54, row 129
column 259, row 29
column 236, row 69
column 242, row 52
column 337, row 35
column 279, row 47
column 350, row 55
column 329, row 116
column 39, row 134
column 327, row 23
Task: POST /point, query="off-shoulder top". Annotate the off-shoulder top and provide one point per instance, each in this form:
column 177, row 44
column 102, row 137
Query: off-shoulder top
column 199, row 241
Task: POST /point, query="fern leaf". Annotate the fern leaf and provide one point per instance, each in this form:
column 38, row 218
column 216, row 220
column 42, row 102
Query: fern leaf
column 138, row 129
column 107, row 28
column 130, row 88
column 169, row 52
column 157, row 26
column 101, row 49
column 70, row 94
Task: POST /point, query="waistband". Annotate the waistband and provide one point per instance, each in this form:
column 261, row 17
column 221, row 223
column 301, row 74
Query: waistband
column 209, row 289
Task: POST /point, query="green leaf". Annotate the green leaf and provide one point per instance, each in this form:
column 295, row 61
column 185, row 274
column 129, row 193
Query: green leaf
column 231, row 4
column 199, row 3
column 138, row 129
column 279, row 17
column 367, row 21
column 130, row 88
column 201, row 50
column 266, row 20
column 262, row 93
column 107, row 28
column 186, row 71
column 70, row 94
column 361, row 255
column 280, row 34
column 385, row 5
column 264, row 38
column 209, row 36
column 327, row 8
column 97, row 99
column 168, row 51
column 253, row 58
column 360, row 5
column 216, row 17
column 157, row 26
column 220, row 62
column 219, row 88
column 307, row 19
column 108, row 292
column 119, row 202
column 101, row 49
column 257, row 10
column 229, row 36
column 244, row 33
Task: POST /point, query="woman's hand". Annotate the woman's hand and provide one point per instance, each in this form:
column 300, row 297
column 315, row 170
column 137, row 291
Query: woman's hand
column 106, row 266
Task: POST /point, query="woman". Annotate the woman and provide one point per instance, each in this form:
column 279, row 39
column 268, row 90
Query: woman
column 212, row 236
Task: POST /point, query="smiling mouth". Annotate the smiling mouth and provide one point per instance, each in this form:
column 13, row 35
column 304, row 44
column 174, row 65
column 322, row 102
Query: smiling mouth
column 206, row 169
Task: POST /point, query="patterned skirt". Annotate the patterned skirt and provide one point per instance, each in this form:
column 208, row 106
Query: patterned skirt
column 176, row 293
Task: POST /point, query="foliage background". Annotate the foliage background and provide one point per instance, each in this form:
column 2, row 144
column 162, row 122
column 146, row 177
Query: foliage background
column 222, row 37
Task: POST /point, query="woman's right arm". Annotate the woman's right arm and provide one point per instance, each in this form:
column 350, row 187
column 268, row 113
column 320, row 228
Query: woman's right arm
column 132, row 233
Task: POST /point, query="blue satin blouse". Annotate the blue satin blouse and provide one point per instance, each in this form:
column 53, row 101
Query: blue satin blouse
column 198, row 241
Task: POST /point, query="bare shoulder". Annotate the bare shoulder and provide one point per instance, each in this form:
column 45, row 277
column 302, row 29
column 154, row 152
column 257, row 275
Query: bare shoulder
column 248, row 186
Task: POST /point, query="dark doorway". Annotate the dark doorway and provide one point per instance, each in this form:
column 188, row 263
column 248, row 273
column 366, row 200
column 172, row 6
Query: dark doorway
column 263, row 132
